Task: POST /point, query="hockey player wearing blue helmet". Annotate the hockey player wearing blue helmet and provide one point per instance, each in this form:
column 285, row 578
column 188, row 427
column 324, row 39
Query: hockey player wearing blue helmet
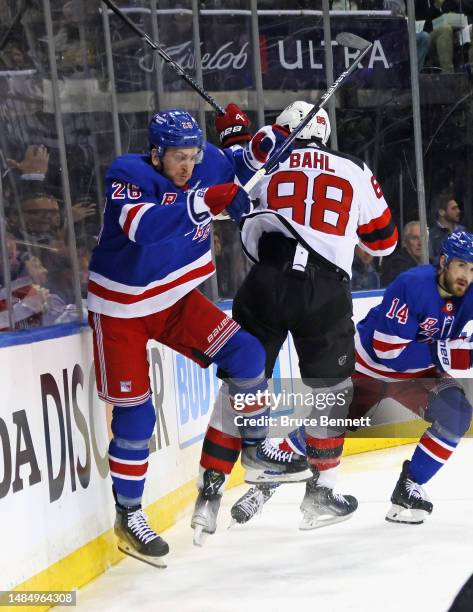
column 153, row 252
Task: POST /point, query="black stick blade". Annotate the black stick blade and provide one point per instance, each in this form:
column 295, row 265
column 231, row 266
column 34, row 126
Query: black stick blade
column 346, row 39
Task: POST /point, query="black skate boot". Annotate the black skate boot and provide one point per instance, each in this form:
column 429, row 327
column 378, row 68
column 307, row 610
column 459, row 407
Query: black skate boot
column 264, row 463
column 410, row 503
column 137, row 539
column 251, row 503
column 321, row 506
column 204, row 518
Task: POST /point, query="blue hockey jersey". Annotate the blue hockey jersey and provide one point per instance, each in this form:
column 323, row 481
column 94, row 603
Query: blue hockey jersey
column 401, row 337
column 154, row 246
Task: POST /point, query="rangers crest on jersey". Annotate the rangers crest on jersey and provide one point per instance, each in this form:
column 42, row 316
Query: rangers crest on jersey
column 202, row 233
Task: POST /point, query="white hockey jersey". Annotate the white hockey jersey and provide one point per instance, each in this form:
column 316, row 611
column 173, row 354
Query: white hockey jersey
column 328, row 201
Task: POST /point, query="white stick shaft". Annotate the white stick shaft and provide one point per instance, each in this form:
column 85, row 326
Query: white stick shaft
column 257, row 176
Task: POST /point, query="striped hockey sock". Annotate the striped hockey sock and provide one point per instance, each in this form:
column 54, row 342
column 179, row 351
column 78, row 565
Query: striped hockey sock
column 324, row 453
column 220, row 451
column 128, row 462
column 431, row 453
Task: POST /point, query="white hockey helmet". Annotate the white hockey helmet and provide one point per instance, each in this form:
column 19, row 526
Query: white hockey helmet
column 318, row 127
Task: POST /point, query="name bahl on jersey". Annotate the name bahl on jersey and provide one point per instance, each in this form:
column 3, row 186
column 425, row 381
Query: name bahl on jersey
column 414, row 330
column 328, row 201
column 154, row 246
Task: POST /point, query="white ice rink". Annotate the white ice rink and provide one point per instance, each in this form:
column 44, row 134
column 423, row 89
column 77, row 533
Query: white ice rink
column 365, row 564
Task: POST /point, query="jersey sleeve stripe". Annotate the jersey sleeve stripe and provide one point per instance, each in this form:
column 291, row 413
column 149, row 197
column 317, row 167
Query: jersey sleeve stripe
column 386, row 235
column 385, row 350
column 390, row 339
column 136, row 220
column 132, row 218
column 391, row 354
column 386, row 373
column 381, row 247
column 377, row 223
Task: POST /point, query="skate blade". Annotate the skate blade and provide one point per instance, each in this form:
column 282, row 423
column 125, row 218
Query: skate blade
column 266, row 476
column 233, row 522
column 200, row 536
column 406, row 516
column 131, row 552
column 310, row 521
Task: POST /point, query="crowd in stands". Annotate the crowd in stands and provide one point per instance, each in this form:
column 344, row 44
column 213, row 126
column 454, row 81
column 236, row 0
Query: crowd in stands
column 369, row 274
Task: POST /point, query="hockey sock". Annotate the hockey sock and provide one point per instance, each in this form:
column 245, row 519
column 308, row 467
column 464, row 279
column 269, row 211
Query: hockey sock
column 128, row 460
column 324, row 453
column 253, row 434
column 132, row 428
column 328, row 478
column 242, row 357
column 430, row 454
column 219, row 451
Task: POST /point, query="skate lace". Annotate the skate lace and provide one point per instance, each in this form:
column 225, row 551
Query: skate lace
column 275, row 453
column 340, row 498
column 137, row 522
column 413, row 489
column 252, row 502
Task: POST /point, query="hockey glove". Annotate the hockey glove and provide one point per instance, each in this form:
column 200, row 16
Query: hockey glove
column 233, row 127
column 453, row 354
column 264, row 143
column 228, row 196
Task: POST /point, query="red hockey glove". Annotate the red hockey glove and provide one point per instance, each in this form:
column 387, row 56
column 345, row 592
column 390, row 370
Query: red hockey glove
column 454, row 354
column 233, row 127
column 229, row 196
column 265, row 142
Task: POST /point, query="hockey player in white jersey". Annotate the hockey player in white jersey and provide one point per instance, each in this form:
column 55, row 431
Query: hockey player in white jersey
column 311, row 213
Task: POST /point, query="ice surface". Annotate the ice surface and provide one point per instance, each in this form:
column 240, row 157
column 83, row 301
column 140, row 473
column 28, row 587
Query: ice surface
column 365, row 564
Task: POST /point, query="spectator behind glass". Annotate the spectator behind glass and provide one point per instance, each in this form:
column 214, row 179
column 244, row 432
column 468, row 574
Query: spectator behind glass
column 43, row 230
column 408, row 257
column 32, row 302
column 448, row 217
column 441, row 38
column 364, row 275
column 42, row 219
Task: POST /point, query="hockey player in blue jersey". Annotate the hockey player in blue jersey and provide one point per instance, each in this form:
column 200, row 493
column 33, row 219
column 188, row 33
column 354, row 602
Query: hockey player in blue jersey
column 153, row 251
column 405, row 350
column 409, row 344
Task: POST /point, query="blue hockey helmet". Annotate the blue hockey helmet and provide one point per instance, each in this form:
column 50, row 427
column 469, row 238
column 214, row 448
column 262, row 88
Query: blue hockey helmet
column 459, row 245
column 174, row 128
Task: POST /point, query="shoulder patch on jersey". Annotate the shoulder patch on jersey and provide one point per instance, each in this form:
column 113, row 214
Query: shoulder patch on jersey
column 169, row 198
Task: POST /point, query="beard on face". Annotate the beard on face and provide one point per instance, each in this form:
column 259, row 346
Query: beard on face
column 454, row 286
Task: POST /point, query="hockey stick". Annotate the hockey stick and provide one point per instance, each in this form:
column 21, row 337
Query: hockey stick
column 165, row 56
column 345, row 39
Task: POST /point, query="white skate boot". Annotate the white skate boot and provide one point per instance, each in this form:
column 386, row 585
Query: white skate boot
column 204, row 518
column 321, row 506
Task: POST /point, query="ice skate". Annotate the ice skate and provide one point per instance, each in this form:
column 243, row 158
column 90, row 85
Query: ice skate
column 251, row 503
column 137, row 539
column 321, row 506
column 410, row 503
column 204, row 518
column 265, row 463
